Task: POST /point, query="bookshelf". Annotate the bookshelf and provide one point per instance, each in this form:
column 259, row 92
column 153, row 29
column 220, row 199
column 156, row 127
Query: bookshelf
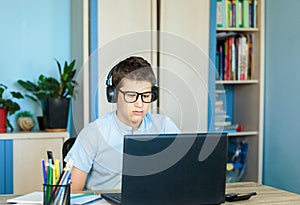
column 244, row 95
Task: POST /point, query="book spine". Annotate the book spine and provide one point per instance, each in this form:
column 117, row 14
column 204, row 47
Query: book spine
column 251, row 57
column 236, row 57
column 219, row 14
column 225, row 60
column 244, row 58
column 251, row 13
column 217, row 65
column 255, row 13
column 221, row 63
column 224, row 13
column 239, row 13
column 229, row 59
column 246, row 13
column 233, row 59
column 228, row 12
column 239, row 57
column 233, row 13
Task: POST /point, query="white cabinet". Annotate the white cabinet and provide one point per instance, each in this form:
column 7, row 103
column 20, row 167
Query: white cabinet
column 124, row 29
column 184, row 63
column 28, row 150
column 179, row 52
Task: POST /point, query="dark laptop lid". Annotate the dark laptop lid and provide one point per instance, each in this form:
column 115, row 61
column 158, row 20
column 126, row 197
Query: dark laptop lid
column 174, row 169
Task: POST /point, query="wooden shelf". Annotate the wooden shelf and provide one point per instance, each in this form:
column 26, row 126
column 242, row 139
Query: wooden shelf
column 222, row 82
column 243, row 134
column 239, row 29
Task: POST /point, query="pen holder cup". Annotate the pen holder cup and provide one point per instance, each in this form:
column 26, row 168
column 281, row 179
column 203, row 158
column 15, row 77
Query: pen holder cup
column 56, row 194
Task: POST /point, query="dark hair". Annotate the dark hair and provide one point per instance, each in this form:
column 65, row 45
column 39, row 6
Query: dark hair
column 133, row 68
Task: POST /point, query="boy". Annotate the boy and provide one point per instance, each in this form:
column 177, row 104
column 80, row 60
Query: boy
column 97, row 152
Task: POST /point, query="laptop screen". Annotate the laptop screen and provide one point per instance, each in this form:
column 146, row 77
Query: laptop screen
column 174, row 168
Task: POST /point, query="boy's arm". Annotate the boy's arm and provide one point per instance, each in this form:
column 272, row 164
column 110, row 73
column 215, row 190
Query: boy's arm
column 78, row 179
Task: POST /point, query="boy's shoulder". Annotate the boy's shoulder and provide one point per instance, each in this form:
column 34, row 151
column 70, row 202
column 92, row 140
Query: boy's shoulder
column 156, row 116
column 107, row 116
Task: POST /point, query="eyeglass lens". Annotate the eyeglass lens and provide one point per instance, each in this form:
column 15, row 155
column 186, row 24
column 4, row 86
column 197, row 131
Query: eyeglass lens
column 130, row 96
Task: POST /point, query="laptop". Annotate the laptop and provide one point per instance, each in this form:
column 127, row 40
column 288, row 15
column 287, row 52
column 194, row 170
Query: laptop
column 177, row 169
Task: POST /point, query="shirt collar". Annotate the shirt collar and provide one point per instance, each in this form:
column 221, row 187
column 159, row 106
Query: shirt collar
column 125, row 129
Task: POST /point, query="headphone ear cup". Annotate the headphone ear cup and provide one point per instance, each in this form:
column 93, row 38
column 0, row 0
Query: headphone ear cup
column 154, row 94
column 111, row 94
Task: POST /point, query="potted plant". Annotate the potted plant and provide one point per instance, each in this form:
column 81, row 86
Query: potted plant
column 7, row 106
column 25, row 120
column 53, row 95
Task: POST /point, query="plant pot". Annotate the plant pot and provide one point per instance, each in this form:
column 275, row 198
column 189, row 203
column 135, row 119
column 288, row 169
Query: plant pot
column 25, row 123
column 3, row 119
column 56, row 112
column 40, row 120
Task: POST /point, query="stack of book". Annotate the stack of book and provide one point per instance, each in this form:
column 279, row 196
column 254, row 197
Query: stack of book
column 234, row 56
column 223, row 121
column 221, row 118
column 236, row 13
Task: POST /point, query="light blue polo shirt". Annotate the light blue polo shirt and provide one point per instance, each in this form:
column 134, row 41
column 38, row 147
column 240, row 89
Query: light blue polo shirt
column 99, row 146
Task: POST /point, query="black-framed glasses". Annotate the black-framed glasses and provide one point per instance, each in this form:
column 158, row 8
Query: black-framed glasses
column 131, row 96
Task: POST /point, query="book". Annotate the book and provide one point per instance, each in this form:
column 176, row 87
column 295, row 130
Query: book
column 239, row 13
column 217, row 65
column 220, row 13
column 255, row 13
column 228, row 59
column 221, row 124
column 246, row 13
column 233, row 59
column 243, row 58
column 31, row 198
column 251, row 13
column 37, row 198
column 225, row 35
column 233, row 13
column 221, row 117
column 228, row 13
column 250, row 56
column 221, row 63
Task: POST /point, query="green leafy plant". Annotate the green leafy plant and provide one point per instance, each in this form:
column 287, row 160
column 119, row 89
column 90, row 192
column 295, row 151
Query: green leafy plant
column 24, row 114
column 51, row 87
column 7, row 101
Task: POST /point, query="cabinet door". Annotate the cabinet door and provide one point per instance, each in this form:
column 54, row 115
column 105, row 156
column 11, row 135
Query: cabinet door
column 183, row 68
column 184, row 62
column 27, row 155
column 123, row 30
column 6, row 167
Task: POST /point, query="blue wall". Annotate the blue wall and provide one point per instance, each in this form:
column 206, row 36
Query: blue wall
column 282, row 95
column 33, row 33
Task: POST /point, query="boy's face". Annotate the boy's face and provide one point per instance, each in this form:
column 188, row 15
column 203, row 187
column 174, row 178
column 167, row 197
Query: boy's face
column 132, row 114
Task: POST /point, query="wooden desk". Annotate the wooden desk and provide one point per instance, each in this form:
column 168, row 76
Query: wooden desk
column 265, row 195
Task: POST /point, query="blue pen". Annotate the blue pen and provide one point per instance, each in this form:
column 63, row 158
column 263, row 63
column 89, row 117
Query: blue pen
column 44, row 171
